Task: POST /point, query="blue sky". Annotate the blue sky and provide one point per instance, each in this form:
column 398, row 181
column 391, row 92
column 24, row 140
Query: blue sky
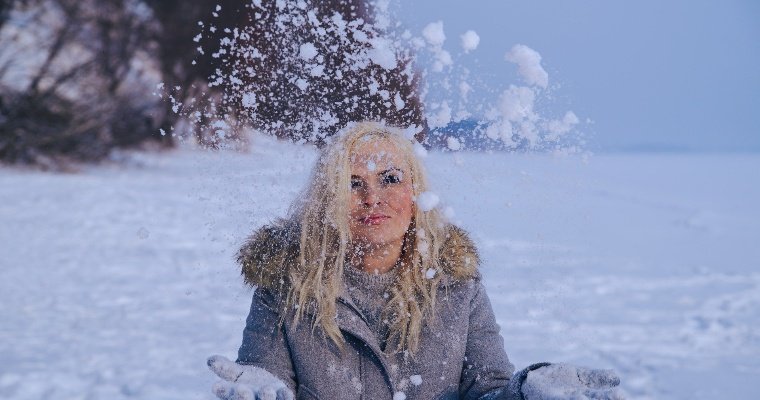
column 652, row 75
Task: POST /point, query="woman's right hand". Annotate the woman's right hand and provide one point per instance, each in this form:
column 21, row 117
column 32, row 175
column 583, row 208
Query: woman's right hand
column 246, row 382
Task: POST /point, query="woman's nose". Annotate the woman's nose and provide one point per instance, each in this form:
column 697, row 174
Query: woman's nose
column 371, row 196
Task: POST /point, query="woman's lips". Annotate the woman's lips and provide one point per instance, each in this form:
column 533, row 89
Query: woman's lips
column 374, row 219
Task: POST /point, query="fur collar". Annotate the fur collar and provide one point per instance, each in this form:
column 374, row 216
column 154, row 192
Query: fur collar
column 268, row 254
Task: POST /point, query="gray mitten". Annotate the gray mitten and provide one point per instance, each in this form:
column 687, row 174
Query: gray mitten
column 246, row 382
column 568, row 382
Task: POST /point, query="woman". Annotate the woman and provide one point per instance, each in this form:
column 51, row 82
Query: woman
column 364, row 294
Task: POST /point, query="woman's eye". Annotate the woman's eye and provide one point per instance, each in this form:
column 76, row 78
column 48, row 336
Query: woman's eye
column 391, row 178
column 356, row 184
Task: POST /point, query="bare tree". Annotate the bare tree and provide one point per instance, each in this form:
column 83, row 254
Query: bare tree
column 78, row 100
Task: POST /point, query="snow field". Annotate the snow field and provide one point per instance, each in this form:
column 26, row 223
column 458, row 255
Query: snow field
column 118, row 282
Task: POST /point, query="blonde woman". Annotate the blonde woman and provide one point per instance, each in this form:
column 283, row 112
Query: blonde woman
column 364, row 294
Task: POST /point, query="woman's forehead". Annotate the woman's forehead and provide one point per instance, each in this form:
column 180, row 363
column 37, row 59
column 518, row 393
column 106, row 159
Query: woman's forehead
column 377, row 153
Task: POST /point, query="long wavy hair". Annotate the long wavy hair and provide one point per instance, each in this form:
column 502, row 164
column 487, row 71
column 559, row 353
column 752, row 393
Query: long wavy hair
column 321, row 215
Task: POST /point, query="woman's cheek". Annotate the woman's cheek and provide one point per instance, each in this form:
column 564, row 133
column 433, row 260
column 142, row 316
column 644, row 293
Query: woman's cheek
column 409, row 200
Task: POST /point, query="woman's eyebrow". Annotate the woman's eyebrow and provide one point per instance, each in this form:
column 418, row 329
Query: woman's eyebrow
column 389, row 170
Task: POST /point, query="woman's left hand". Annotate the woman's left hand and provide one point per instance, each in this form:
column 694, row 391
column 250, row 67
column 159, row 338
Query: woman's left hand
column 568, row 382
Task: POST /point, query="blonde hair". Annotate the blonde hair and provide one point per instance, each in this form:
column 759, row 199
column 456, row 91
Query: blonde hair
column 321, row 215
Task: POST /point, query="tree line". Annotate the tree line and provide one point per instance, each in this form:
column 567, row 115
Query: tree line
column 79, row 78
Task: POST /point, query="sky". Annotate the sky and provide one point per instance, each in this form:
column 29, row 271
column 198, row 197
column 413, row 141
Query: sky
column 651, row 75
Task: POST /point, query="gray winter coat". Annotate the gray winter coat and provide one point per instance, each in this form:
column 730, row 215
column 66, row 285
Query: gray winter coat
column 460, row 355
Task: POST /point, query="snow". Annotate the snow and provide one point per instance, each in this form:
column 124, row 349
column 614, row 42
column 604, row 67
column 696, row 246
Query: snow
column 416, row 380
column 419, row 150
column 529, row 65
column 517, row 103
column 317, row 70
column 302, row 83
column 464, row 89
column 249, row 100
column 442, row 60
column 433, row 34
column 119, row 281
column 383, row 53
column 427, row 201
column 470, row 41
column 449, row 213
column 559, row 127
column 441, row 116
column 398, row 102
column 307, row 51
column 523, row 116
column 453, row 143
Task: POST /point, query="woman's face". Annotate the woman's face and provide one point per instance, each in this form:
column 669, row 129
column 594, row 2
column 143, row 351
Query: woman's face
column 382, row 199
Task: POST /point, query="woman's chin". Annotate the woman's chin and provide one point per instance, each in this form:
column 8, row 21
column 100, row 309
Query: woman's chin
column 373, row 241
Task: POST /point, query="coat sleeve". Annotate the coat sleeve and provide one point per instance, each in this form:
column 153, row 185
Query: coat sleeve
column 264, row 341
column 486, row 371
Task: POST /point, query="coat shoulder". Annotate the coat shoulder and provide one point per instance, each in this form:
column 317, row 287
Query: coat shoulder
column 268, row 254
column 458, row 255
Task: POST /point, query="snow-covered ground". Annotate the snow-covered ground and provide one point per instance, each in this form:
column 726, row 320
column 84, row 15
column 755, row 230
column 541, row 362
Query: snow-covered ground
column 118, row 282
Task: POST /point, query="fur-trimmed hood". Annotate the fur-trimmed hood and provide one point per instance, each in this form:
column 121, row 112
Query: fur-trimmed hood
column 270, row 252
